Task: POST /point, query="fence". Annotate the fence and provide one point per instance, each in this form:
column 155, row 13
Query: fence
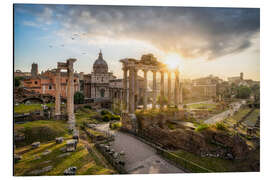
column 182, row 163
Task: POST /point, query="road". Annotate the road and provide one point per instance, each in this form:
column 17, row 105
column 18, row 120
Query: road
column 140, row 158
column 225, row 114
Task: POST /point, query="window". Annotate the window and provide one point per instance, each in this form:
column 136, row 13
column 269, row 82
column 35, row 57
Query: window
column 36, row 82
column 50, row 86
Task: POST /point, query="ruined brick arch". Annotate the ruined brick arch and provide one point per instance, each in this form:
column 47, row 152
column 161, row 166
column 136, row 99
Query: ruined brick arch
column 33, row 99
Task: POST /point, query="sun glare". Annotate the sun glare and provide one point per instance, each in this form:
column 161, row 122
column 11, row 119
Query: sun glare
column 172, row 60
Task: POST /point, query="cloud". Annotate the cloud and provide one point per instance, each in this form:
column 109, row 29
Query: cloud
column 192, row 32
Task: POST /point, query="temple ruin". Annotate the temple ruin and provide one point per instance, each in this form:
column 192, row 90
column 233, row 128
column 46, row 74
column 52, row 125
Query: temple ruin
column 68, row 65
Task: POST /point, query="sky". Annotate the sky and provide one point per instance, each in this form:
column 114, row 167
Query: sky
column 218, row 41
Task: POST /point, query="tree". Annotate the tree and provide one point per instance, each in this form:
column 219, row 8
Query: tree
column 17, row 81
column 78, row 98
column 243, row 92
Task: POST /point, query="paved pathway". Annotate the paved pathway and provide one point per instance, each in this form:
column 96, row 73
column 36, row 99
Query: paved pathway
column 221, row 116
column 140, row 157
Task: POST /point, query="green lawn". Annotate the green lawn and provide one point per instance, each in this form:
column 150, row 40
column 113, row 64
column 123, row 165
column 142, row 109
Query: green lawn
column 194, row 100
column 252, row 118
column 26, row 108
column 237, row 116
column 42, row 130
column 85, row 115
column 83, row 160
column 202, row 106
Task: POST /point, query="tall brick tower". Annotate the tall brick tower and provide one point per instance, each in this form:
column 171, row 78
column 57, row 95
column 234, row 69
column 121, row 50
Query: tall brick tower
column 34, row 70
column 242, row 76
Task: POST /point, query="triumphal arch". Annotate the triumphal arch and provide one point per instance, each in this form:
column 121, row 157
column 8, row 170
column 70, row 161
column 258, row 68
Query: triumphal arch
column 68, row 65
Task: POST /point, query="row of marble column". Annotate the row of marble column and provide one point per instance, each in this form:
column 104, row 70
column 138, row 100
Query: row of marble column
column 129, row 104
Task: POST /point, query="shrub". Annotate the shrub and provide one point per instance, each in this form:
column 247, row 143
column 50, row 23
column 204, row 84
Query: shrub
column 115, row 125
column 171, row 126
column 221, row 126
column 106, row 118
column 87, row 107
column 201, row 127
column 115, row 117
column 104, row 112
column 78, row 98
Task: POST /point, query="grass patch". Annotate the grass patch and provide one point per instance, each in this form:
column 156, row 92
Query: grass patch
column 84, row 161
column 27, row 108
column 202, row 106
column 201, row 127
column 85, row 115
column 252, row 118
column 221, row 126
column 211, row 163
column 42, row 130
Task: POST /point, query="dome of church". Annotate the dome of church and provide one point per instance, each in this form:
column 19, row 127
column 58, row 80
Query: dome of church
column 100, row 65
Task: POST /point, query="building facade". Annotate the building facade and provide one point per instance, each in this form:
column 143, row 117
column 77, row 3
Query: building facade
column 97, row 84
column 44, row 83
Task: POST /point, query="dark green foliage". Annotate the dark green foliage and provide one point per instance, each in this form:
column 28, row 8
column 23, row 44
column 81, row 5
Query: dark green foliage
column 87, row 107
column 243, row 92
column 78, row 98
column 17, row 81
column 106, row 118
column 104, row 112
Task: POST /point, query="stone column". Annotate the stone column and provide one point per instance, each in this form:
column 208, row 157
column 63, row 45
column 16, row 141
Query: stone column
column 131, row 91
column 162, row 88
column 125, row 88
column 154, row 89
column 181, row 93
column 58, row 94
column 169, row 88
column 70, row 95
column 145, row 90
column 176, row 96
column 136, row 88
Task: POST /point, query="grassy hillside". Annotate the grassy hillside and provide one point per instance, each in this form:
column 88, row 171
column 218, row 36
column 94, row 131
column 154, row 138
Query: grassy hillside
column 43, row 130
column 34, row 159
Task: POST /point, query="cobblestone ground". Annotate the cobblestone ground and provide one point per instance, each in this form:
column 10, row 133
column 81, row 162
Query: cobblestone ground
column 140, row 157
